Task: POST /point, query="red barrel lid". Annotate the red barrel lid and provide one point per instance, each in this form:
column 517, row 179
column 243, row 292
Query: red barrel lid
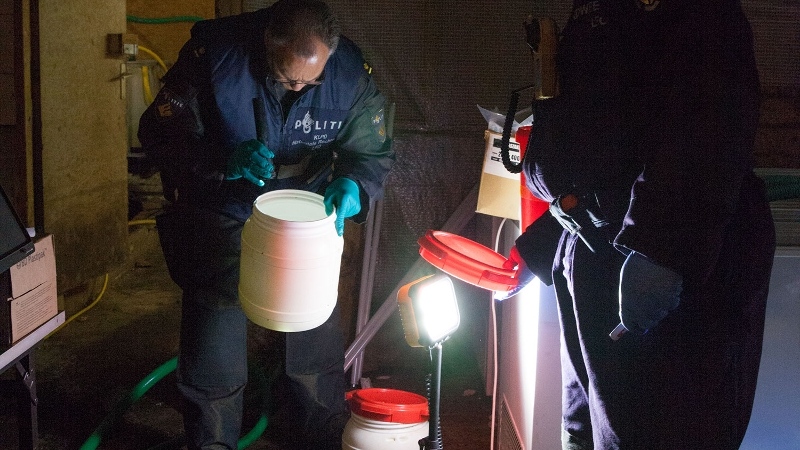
column 467, row 260
column 388, row 405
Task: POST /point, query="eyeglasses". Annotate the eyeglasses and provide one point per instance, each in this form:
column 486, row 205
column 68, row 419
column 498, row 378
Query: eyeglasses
column 294, row 83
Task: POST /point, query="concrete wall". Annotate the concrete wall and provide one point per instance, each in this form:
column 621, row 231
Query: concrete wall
column 83, row 140
column 83, row 124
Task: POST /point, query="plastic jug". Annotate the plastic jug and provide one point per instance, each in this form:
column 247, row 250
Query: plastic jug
column 290, row 261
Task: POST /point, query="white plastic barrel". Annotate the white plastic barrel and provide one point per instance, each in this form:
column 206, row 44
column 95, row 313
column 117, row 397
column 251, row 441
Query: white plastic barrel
column 290, row 260
column 385, row 419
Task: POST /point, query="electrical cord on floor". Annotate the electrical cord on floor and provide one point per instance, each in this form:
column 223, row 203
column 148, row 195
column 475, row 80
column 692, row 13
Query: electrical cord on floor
column 105, row 285
column 493, row 315
column 78, row 314
column 494, row 372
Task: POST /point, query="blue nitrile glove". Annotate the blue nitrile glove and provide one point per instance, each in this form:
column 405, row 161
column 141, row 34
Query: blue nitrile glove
column 252, row 161
column 342, row 194
column 524, row 275
column 647, row 293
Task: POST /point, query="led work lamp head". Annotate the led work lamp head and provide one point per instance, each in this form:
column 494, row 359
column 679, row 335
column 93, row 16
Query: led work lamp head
column 428, row 310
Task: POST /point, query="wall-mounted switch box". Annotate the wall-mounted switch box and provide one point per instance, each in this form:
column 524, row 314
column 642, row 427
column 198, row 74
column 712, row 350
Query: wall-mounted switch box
column 122, row 45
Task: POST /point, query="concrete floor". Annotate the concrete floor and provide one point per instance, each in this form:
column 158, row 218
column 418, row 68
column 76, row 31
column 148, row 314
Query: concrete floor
column 86, row 368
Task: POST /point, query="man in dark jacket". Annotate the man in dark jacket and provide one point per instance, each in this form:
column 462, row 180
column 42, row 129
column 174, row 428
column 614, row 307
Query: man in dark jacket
column 658, row 227
column 320, row 129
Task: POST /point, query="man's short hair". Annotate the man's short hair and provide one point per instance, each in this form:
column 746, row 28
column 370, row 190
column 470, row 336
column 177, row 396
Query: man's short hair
column 294, row 24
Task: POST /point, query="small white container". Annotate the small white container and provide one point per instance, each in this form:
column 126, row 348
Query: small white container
column 385, row 419
column 290, row 261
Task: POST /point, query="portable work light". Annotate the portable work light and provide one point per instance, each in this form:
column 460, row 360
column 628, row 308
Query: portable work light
column 428, row 310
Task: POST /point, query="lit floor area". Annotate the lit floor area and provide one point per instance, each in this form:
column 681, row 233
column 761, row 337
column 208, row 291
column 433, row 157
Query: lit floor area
column 86, row 368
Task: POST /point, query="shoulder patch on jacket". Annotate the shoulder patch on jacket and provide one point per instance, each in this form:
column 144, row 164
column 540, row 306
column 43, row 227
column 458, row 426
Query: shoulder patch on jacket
column 379, row 121
column 173, row 99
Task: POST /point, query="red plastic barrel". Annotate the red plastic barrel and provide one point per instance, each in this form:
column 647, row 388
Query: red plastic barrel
column 385, row 419
column 388, row 405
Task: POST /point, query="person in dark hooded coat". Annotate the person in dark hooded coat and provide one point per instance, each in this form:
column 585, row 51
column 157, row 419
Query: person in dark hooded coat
column 659, row 228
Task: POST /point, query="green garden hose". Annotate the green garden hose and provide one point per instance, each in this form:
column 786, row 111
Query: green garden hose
column 138, row 391
column 160, row 20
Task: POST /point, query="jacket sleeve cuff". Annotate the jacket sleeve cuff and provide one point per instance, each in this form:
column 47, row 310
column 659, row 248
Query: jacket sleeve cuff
column 538, row 246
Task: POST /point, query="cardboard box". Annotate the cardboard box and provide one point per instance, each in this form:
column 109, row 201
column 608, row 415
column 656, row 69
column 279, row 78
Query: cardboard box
column 29, row 294
column 499, row 190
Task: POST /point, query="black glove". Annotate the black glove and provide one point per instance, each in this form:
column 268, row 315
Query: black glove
column 647, row 293
column 524, row 274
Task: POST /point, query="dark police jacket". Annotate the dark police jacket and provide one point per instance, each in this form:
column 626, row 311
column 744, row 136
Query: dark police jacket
column 657, row 115
column 335, row 129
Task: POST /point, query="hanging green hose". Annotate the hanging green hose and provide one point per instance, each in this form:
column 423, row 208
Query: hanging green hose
column 138, row 391
column 161, row 20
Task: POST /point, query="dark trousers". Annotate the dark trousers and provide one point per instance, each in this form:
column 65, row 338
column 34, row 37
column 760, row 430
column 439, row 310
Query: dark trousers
column 202, row 250
column 688, row 383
